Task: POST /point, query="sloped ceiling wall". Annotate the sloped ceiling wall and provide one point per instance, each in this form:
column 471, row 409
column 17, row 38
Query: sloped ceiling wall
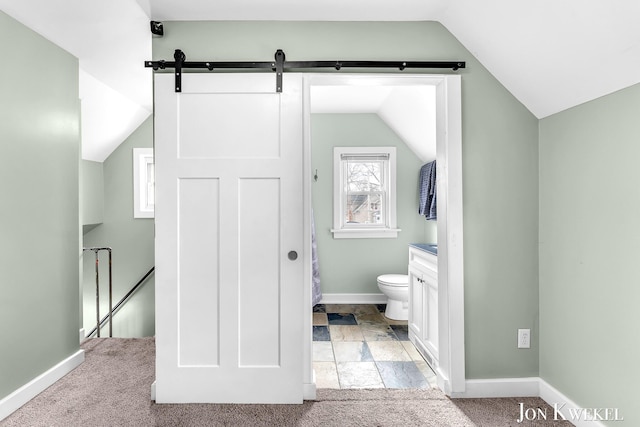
column 409, row 110
column 111, row 40
column 550, row 55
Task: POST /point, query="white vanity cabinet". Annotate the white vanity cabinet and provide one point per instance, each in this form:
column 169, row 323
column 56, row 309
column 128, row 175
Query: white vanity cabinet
column 423, row 303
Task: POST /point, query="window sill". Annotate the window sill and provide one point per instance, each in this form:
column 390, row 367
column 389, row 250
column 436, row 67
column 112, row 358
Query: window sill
column 366, row 233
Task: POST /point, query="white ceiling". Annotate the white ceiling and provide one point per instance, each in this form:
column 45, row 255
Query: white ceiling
column 551, row 55
column 111, row 40
column 410, row 111
column 108, row 117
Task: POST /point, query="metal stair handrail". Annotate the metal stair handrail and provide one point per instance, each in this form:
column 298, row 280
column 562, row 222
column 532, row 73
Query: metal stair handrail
column 122, row 301
column 95, row 251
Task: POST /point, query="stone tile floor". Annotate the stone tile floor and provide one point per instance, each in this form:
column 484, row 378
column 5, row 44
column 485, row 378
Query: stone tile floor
column 356, row 346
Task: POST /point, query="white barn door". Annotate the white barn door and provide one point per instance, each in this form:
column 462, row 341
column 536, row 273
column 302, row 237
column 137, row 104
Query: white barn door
column 229, row 239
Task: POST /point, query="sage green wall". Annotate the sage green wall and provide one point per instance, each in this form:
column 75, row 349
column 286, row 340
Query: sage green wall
column 131, row 240
column 589, row 293
column 500, row 163
column 39, row 208
column 92, row 193
column 352, row 265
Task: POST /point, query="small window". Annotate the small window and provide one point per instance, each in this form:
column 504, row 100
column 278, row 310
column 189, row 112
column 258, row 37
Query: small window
column 143, row 183
column 364, row 192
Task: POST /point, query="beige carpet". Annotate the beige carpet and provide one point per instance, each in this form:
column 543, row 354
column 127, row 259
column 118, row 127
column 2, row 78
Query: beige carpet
column 112, row 388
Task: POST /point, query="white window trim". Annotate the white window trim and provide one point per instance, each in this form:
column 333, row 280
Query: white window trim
column 387, row 231
column 141, row 158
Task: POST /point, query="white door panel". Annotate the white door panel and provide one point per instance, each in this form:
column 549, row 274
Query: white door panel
column 228, row 211
column 231, row 123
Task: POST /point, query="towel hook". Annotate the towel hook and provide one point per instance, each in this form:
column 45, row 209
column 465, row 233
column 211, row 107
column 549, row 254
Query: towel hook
column 315, row 176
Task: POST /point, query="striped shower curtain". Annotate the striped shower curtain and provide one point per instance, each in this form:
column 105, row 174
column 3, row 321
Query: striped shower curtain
column 316, row 293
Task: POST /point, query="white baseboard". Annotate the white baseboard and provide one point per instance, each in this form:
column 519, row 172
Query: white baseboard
column 15, row 400
column 153, row 391
column 566, row 406
column 537, row 387
column 82, row 335
column 353, row 299
column 500, row 387
column 309, row 391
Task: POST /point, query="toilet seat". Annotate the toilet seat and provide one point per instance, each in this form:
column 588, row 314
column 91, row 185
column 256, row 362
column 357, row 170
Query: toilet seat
column 400, row 280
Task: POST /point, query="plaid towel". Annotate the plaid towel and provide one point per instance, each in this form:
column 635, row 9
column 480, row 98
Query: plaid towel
column 427, row 205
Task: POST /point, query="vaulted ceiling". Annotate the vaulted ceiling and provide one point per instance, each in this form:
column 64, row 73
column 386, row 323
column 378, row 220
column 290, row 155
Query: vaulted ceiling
column 551, row 55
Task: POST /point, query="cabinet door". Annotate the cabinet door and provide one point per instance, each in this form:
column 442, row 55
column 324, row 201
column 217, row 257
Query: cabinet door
column 416, row 319
column 430, row 315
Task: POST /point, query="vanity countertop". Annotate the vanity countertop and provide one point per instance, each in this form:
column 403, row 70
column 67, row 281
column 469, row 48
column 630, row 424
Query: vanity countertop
column 427, row 247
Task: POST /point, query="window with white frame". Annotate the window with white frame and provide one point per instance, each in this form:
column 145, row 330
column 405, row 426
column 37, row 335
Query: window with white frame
column 143, row 183
column 364, row 200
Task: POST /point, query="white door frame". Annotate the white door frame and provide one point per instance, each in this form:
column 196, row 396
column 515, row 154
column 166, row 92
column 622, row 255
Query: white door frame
column 451, row 369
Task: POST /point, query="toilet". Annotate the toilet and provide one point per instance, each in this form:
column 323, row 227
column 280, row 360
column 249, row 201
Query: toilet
column 396, row 289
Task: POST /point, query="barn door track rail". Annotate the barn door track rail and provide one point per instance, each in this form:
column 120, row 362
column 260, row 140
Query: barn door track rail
column 280, row 64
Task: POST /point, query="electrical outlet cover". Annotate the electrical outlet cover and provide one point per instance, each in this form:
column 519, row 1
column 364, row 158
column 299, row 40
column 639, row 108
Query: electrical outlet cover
column 524, row 338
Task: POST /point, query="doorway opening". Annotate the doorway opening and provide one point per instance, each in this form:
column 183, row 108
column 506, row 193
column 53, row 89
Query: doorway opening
column 358, row 93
